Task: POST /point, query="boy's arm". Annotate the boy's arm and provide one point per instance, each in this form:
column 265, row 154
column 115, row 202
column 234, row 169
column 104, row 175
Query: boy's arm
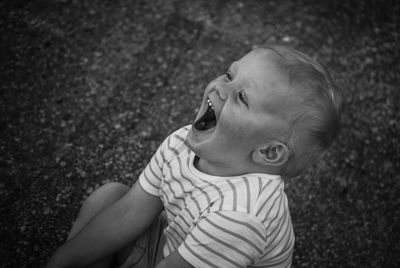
column 110, row 231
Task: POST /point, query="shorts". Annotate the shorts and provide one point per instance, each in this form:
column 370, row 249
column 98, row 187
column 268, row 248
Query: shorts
column 147, row 250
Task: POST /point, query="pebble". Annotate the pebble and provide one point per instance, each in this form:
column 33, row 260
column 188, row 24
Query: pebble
column 46, row 210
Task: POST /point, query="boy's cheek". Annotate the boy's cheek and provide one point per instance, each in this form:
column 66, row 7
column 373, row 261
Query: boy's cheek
column 233, row 131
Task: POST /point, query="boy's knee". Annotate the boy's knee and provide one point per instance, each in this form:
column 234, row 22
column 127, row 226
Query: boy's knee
column 107, row 193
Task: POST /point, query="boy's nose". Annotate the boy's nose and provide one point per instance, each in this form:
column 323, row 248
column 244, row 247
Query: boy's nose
column 222, row 91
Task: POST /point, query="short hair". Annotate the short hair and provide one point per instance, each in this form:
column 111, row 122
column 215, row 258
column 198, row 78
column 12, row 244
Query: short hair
column 314, row 128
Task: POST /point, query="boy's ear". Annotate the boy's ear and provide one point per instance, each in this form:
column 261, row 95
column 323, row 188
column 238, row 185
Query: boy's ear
column 273, row 153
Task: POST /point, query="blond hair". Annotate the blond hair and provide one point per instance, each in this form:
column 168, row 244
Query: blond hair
column 318, row 123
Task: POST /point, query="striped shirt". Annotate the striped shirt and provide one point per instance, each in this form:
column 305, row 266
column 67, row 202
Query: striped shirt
column 239, row 221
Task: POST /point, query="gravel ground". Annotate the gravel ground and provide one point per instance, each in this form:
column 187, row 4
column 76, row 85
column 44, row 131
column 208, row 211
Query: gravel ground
column 90, row 88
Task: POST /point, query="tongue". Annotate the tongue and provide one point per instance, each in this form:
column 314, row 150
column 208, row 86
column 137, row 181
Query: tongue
column 207, row 121
column 204, row 125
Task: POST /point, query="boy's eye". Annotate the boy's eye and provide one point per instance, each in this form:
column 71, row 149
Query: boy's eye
column 243, row 98
column 228, row 76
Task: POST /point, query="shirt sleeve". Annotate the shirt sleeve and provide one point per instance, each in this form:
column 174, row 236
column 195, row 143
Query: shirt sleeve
column 151, row 177
column 224, row 239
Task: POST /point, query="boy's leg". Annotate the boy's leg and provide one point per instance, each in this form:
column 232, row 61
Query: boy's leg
column 147, row 250
column 103, row 197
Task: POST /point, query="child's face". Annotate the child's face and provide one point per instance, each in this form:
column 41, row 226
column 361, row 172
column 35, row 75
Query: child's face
column 240, row 111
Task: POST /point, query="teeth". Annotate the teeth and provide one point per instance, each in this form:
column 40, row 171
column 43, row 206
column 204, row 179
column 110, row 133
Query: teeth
column 210, row 104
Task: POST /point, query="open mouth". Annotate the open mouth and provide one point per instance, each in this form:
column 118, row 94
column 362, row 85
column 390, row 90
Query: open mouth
column 208, row 120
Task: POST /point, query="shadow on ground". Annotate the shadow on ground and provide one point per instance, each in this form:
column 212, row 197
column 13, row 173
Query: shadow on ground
column 90, row 89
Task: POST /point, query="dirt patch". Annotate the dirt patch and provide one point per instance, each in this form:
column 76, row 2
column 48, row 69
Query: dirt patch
column 88, row 91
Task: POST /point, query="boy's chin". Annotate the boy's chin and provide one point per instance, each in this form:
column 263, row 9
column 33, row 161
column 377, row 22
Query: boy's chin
column 197, row 138
column 199, row 135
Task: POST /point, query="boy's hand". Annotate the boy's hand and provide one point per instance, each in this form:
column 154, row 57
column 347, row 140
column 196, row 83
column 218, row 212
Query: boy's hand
column 112, row 229
column 174, row 260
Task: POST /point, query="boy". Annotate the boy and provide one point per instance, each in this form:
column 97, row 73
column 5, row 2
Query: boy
column 219, row 181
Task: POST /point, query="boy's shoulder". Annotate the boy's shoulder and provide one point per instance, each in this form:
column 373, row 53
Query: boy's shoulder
column 175, row 142
column 181, row 133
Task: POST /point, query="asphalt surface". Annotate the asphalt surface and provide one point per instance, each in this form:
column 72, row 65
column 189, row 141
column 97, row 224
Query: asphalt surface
column 89, row 89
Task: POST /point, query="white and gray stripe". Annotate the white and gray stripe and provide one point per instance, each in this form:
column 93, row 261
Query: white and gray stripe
column 219, row 221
